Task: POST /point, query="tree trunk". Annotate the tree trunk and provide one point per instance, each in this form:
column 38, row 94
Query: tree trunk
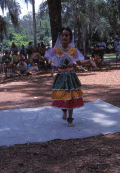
column 79, row 34
column 87, row 45
column 119, row 8
column 34, row 24
column 87, row 29
column 84, row 39
column 55, row 18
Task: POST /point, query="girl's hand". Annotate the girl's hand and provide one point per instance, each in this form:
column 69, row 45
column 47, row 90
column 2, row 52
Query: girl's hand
column 76, row 66
column 52, row 64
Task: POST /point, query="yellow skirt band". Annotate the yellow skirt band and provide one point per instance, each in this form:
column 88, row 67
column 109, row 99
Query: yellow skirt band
column 59, row 94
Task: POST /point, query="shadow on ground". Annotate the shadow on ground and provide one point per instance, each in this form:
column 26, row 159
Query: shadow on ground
column 35, row 91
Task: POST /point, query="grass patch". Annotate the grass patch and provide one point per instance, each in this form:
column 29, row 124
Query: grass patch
column 110, row 56
column 107, row 56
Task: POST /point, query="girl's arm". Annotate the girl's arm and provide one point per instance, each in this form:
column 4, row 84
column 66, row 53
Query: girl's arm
column 83, row 62
column 86, row 62
column 44, row 59
column 41, row 58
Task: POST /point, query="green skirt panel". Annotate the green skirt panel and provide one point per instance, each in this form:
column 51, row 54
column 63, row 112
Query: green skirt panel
column 66, row 81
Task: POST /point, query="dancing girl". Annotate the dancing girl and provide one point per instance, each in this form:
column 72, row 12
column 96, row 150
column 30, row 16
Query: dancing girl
column 66, row 90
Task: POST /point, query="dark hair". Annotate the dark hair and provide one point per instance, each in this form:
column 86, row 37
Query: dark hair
column 67, row 29
column 21, row 52
column 7, row 52
column 42, row 45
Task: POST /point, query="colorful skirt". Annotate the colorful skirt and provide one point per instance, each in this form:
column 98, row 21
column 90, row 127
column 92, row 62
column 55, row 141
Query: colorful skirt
column 66, row 91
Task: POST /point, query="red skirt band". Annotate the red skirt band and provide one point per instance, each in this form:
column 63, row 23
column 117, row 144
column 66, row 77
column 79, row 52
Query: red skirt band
column 68, row 104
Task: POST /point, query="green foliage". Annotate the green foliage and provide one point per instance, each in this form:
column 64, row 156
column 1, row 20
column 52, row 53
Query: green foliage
column 24, row 34
column 26, row 25
column 93, row 16
column 4, row 45
column 43, row 31
column 13, row 9
column 19, row 40
column 43, row 24
column 101, row 16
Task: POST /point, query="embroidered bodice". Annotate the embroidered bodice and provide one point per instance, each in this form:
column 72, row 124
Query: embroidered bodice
column 60, row 58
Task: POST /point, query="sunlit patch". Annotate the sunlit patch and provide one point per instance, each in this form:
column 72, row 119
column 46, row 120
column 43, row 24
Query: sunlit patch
column 103, row 120
column 4, row 129
column 31, row 109
column 110, row 110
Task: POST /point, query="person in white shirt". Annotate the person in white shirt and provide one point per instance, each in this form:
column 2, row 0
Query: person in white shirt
column 117, row 48
column 33, row 67
column 102, row 47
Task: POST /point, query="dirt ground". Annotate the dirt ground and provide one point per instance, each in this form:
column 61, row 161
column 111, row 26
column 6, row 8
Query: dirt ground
column 94, row 154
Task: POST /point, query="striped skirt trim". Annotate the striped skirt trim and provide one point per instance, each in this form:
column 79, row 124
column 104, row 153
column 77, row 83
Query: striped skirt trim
column 66, row 95
column 66, row 89
column 68, row 104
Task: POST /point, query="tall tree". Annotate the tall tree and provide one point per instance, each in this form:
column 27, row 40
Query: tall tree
column 119, row 12
column 55, row 18
column 34, row 23
column 2, row 28
column 14, row 11
column 34, row 20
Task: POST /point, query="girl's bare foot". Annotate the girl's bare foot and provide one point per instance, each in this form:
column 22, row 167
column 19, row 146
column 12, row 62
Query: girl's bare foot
column 70, row 124
column 70, row 120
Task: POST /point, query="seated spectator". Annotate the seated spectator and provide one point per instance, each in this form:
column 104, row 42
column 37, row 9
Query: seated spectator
column 36, row 57
column 21, row 56
column 83, row 69
column 8, row 63
column 22, row 67
column 23, row 51
column 33, row 67
column 13, row 48
column 43, row 49
column 15, row 58
column 84, row 54
column 95, row 51
column 96, row 57
column 47, row 65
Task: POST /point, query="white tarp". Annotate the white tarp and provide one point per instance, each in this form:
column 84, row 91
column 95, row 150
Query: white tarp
column 20, row 126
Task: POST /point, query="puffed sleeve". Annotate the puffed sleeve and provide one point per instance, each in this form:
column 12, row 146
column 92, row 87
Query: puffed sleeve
column 78, row 56
column 52, row 55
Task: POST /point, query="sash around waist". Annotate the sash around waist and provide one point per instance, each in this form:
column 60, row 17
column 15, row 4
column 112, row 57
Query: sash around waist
column 66, row 70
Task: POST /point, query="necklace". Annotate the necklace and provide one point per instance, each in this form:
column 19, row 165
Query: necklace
column 65, row 49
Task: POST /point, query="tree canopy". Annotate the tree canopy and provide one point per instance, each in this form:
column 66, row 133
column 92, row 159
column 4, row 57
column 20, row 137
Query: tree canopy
column 88, row 19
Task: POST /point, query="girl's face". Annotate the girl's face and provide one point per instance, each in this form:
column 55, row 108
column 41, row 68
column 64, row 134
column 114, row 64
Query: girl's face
column 65, row 37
